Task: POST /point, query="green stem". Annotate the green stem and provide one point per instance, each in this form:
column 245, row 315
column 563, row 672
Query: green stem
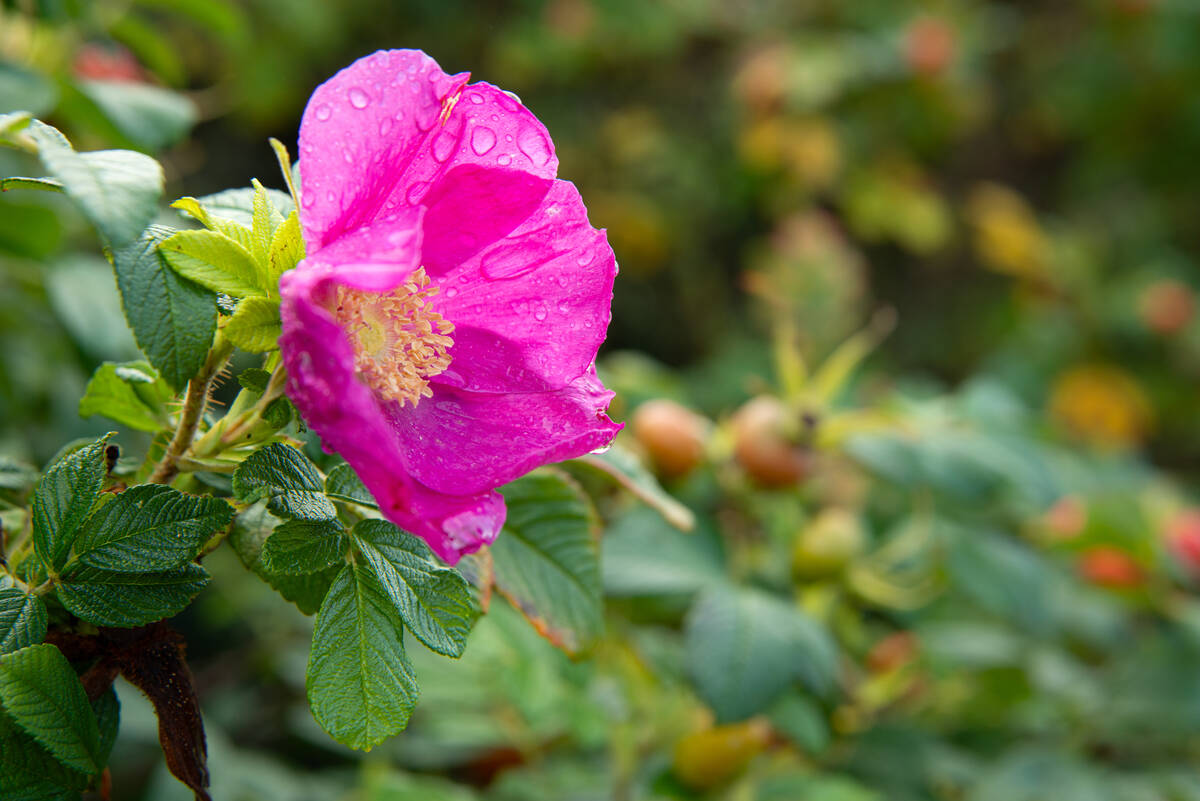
column 194, row 404
column 227, row 434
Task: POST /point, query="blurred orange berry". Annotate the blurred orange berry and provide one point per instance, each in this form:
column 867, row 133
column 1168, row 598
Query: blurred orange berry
column 1109, row 566
column 764, row 432
column 1066, row 518
column 893, row 651
column 761, row 82
column 107, row 63
column 1183, row 537
column 672, row 435
column 1008, row 238
column 708, row 758
column 929, row 45
column 827, row 544
column 1102, row 405
column 1167, row 306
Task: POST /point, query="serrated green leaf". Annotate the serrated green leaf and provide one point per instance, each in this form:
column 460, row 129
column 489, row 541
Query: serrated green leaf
column 22, row 620
column 299, row 547
column 117, row 190
column 130, row 393
column 434, row 601
column 151, row 117
column 250, row 531
column 126, row 600
column 150, row 527
column 547, row 559
column 344, row 484
column 746, row 647
column 287, row 479
column 173, row 319
column 255, row 326
column 238, row 204
column 42, row 694
column 361, row 686
column 193, row 208
column 28, row 772
column 254, row 379
column 287, row 248
column 265, row 219
column 213, row 260
column 63, row 498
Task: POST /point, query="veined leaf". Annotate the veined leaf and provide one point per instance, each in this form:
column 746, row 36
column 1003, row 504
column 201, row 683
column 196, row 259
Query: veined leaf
column 173, row 319
column 361, row 686
column 150, row 527
column 109, row 598
column 251, row 529
column 22, row 620
column 287, row 248
column 238, row 204
column 43, row 695
column 547, row 559
column 287, row 479
column 63, row 498
column 434, row 601
column 213, row 260
column 28, row 772
column 255, row 326
column 265, row 218
column 300, row 547
column 344, row 484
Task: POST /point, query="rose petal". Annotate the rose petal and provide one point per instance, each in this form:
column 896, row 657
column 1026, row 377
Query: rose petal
column 467, row 442
column 530, row 310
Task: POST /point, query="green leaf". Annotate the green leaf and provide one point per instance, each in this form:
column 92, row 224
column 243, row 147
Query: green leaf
column 150, row 527
column 287, row 248
column 63, row 499
column 173, row 319
column 361, row 686
column 265, row 219
column 29, row 773
column 213, row 260
column 238, row 204
column 16, row 475
column 43, row 695
column 547, row 559
column 151, row 117
column 642, row 555
column 434, row 601
column 22, row 620
column 255, row 326
column 108, row 598
column 250, row 531
column 254, row 379
column 287, row 479
column 37, row 184
column 130, row 393
column 344, row 484
column 624, row 467
column 298, row 547
column 108, row 719
column 117, row 190
column 746, row 647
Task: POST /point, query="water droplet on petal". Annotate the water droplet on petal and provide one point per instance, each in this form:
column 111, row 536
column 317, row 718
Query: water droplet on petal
column 324, row 112
column 452, row 291
column 504, row 160
column 358, row 98
column 443, row 145
column 482, row 140
column 347, row 156
column 416, row 192
column 385, row 126
column 585, row 258
column 308, row 200
column 476, row 97
column 330, row 197
column 534, row 145
column 563, row 306
column 540, row 312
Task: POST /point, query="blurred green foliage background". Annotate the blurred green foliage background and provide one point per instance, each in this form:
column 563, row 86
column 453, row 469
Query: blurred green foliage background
column 978, row 218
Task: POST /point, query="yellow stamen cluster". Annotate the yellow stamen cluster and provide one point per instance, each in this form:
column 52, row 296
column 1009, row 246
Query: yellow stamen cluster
column 399, row 341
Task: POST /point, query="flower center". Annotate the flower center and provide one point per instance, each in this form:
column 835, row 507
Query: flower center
column 399, row 341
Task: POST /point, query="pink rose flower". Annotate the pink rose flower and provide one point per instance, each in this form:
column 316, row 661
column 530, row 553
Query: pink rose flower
column 441, row 334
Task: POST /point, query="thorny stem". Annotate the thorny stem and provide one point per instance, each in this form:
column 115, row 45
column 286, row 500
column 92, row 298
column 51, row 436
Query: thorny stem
column 194, row 404
column 222, row 436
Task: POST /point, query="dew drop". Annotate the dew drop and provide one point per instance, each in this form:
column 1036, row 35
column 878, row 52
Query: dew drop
column 330, row 197
column 540, row 312
column 482, row 140
column 452, row 291
column 347, row 156
column 385, row 126
column 416, row 192
column 476, row 98
column 324, row 112
column 563, row 306
column 504, row 160
column 534, row 145
column 443, row 145
column 308, row 200
column 358, row 98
